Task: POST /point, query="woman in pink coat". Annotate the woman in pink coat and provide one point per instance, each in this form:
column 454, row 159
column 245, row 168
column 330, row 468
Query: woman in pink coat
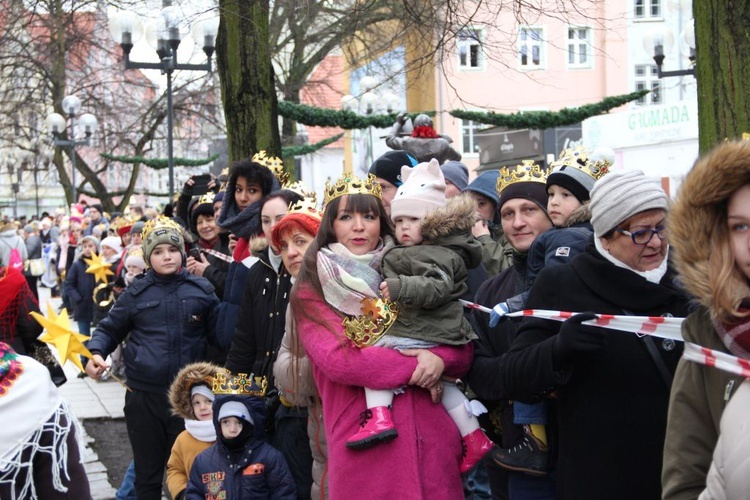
column 340, row 270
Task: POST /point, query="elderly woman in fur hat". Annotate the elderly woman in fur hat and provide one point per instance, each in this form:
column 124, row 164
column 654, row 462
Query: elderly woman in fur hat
column 710, row 228
column 608, row 419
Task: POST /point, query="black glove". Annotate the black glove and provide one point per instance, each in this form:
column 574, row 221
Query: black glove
column 575, row 338
column 187, row 188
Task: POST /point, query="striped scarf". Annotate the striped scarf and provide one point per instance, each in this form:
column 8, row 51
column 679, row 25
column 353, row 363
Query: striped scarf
column 736, row 336
column 347, row 278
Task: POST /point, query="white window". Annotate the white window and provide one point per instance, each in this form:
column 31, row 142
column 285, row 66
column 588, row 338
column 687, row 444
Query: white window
column 646, row 78
column 531, row 48
column 469, row 142
column 647, row 8
column 470, row 49
column 579, row 47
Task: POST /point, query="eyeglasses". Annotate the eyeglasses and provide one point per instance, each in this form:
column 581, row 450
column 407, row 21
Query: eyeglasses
column 643, row 236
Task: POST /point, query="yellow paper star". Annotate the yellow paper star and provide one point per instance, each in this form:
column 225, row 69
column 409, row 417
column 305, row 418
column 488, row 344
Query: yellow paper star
column 69, row 344
column 99, row 268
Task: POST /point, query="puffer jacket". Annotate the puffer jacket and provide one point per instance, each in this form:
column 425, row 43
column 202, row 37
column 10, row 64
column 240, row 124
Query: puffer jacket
column 170, row 320
column 259, row 472
column 79, row 287
column 729, row 475
column 427, row 280
column 295, row 383
column 260, row 321
column 700, row 393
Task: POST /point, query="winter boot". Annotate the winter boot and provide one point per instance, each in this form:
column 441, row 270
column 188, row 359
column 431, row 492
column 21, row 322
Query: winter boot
column 476, row 445
column 530, row 456
column 376, row 426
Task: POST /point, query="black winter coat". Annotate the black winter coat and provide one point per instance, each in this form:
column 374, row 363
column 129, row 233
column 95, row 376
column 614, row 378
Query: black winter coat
column 610, row 414
column 216, row 273
column 261, row 323
column 170, row 319
column 79, row 286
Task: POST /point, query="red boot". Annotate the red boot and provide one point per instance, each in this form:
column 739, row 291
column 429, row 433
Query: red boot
column 476, row 446
column 376, row 427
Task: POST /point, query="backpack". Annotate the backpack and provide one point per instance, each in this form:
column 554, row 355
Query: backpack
column 15, row 261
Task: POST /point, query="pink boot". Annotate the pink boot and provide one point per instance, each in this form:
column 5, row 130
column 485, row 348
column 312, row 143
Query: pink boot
column 376, row 427
column 476, row 446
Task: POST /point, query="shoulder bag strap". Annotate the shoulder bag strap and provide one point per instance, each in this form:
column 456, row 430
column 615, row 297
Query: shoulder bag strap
column 661, row 366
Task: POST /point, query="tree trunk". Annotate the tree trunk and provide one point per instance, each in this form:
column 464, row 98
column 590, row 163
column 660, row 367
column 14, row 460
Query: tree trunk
column 243, row 59
column 722, row 34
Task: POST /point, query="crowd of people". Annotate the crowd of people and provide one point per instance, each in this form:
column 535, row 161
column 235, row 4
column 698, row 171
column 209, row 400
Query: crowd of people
column 390, row 341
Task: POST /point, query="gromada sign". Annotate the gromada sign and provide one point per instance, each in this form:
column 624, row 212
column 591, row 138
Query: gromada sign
column 658, row 117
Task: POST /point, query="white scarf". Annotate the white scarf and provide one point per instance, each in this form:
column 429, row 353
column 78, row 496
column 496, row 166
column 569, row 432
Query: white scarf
column 653, row 275
column 202, row 430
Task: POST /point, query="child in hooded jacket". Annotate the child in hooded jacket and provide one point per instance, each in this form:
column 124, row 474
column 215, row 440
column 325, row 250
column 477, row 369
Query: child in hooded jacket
column 191, row 399
column 79, row 285
column 425, row 276
column 240, row 464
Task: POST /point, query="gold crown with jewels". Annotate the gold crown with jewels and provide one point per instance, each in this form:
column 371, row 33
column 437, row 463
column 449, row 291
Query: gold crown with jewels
column 377, row 317
column 351, row 184
column 160, row 222
column 307, row 205
column 207, row 198
column 241, row 384
column 527, row 171
column 580, row 158
column 273, row 164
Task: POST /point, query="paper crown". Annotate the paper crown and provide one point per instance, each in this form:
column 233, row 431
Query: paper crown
column 159, row 222
column 207, row 198
column 301, row 189
column 136, row 251
column 377, row 317
column 351, row 184
column 527, row 171
column 273, row 164
column 241, row 384
column 308, row 206
column 122, row 222
column 579, row 158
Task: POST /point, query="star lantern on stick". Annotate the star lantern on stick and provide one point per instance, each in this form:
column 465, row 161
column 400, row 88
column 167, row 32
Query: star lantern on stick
column 69, row 344
column 99, row 268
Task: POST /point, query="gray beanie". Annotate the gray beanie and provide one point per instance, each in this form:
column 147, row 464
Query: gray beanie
column 456, row 173
column 235, row 409
column 618, row 196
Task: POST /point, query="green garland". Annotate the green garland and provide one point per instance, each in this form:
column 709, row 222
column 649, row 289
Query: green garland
column 540, row 120
column 159, row 163
column 324, row 117
column 307, row 149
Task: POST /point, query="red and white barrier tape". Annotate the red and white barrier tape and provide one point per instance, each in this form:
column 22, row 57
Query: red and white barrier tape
column 720, row 360
column 218, row 255
column 656, row 326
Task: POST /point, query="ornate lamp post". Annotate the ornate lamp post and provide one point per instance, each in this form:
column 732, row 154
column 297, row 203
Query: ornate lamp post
column 168, row 30
column 57, row 126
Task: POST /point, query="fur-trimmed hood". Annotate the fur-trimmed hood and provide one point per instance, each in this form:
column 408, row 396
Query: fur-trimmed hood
column 187, row 377
column 579, row 215
column 700, row 209
column 457, row 216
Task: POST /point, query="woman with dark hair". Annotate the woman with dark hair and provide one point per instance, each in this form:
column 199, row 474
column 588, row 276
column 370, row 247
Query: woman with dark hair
column 249, row 183
column 334, row 300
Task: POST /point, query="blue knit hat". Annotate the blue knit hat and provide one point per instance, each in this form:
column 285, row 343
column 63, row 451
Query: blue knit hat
column 486, row 185
column 456, row 173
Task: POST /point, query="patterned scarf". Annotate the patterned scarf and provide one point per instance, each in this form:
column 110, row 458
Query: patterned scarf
column 736, row 336
column 245, row 223
column 347, row 278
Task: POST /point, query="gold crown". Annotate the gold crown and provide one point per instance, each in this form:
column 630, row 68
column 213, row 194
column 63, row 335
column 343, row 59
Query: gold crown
column 273, row 164
column 307, row 205
column 207, row 198
column 136, row 250
column 527, row 171
column 159, row 222
column 579, row 158
column 351, row 184
column 377, row 317
column 241, row 384
column 123, row 221
column 301, row 189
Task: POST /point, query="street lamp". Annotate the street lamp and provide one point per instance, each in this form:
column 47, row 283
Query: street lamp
column 661, row 39
column 167, row 33
column 56, row 125
column 366, row 104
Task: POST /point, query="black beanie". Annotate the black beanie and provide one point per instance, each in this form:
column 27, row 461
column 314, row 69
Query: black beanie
column 200, row 209
column 389, row 165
